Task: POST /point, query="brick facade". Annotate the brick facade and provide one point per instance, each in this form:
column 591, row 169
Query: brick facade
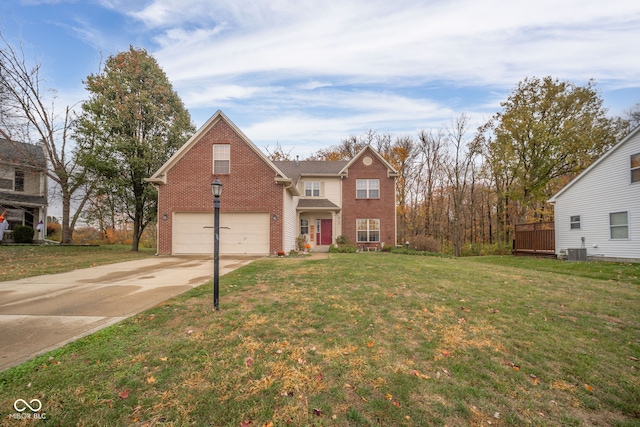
column 383, row 208
column 255, row 184
column 249, row 187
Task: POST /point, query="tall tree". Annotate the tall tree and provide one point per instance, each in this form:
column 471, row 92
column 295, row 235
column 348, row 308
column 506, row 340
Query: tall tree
column 459, row 172
column 135, row 122
column 549, row 130
column 28, row 114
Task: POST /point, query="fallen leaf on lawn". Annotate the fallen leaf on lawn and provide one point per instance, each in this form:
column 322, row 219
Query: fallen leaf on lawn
column 151, row 380
column 419, row 375
column 388, row 396
column 516, row 367
column 635, row 359
column 588, row 387
column 123, row 394
column 249, row 362
column 163, row 359
column 462, row 321
column 370, row 344
column 535, row 381
column 269, row 424
column 396, row 404
column 445, row 353
column 319, row 377
column 465, row 309
column 317, row 412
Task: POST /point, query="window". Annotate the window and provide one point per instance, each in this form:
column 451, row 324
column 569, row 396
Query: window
column 575, row 222
column 635, row 167
column 367, row 189
column 312, row 189
column 221, row 159
column 19, row 182
column 304, row 226
column 368, row 230
column 619, row 225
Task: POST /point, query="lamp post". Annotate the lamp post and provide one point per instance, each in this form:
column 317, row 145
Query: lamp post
column 216, row 189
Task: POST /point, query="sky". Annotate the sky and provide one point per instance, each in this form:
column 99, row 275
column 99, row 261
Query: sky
column 305, row 74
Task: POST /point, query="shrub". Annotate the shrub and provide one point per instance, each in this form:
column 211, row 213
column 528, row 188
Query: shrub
column 342, row 240
column 424, row 243
column 343, row 248
column 23, row 234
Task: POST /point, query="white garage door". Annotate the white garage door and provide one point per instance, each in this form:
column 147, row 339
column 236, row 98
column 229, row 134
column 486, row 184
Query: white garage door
column 248, row 233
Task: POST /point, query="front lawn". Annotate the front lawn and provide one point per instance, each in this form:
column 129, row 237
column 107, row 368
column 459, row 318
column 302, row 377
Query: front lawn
column 21, row 261
column 368, row 339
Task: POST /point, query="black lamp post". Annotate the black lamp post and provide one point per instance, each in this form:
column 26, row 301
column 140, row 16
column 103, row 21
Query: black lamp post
column 216, row 189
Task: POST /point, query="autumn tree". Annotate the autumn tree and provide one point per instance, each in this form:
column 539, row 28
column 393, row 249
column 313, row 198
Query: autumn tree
column 548, row 131
column 135, row 121
column 28, row 114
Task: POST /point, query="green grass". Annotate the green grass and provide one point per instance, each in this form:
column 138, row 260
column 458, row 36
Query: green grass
column 361, row 340
column 19, row 262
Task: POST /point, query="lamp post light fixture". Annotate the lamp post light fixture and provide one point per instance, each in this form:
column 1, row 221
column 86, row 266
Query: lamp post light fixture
column 216, row 189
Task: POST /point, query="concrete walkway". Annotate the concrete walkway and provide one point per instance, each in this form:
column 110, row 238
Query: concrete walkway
column 39, row 314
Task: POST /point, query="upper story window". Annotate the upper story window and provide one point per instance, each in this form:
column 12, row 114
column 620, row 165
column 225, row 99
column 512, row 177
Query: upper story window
column 367, row 189
column 635, row 167
column 619, row 225
column 575, row 222
column 312, row 188
column 19, row 181
column 221, row 159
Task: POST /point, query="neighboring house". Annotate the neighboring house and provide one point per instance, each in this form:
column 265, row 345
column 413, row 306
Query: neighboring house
column 23, row 185
column 600, row 209
column 266, row 205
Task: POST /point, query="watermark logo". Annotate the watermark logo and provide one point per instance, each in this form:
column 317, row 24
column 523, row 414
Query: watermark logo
column 21, row 406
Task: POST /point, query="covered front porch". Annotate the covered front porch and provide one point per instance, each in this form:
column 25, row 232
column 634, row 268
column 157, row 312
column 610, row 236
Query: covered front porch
column 320, row 223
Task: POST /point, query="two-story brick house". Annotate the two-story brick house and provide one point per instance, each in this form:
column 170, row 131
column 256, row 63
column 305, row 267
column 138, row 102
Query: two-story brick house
column 266, row 205
column 23, row 185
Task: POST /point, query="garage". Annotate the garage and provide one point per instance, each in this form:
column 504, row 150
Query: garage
column 247, row 233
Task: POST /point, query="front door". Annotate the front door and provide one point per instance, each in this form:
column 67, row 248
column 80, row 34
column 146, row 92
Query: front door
column 325, row 232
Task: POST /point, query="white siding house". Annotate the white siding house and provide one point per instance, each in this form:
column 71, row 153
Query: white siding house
column 600, row 209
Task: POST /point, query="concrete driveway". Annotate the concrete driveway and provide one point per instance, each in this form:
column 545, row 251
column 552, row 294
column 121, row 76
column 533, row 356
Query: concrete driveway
column 39, row 314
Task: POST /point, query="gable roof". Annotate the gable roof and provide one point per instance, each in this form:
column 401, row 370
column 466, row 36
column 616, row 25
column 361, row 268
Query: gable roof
column 593, row 165
column 159, row 177
column 391, row 172
column 21, row 153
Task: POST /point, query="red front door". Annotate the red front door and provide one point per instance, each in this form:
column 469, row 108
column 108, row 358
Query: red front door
column 325, row 232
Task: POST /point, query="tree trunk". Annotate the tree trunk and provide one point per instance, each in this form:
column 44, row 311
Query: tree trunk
column 67, row 231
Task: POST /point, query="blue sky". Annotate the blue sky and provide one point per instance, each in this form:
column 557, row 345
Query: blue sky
column 308, row 73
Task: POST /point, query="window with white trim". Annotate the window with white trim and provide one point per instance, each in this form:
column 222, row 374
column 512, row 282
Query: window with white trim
column 619, row 225
column 304, row 226
column 575, row 221
column 368, row 230
column 312, row 189
column 367, row 189
column 221, row 159
column 635, row 167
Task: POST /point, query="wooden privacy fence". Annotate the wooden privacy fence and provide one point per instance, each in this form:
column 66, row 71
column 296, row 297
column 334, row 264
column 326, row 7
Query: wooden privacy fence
column 536, row 238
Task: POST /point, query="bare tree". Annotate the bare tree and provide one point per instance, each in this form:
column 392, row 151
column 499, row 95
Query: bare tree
column 29, row 115
column 459, row 173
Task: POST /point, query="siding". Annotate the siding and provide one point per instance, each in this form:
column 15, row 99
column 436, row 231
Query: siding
column 290, row 231
column 603, row 189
